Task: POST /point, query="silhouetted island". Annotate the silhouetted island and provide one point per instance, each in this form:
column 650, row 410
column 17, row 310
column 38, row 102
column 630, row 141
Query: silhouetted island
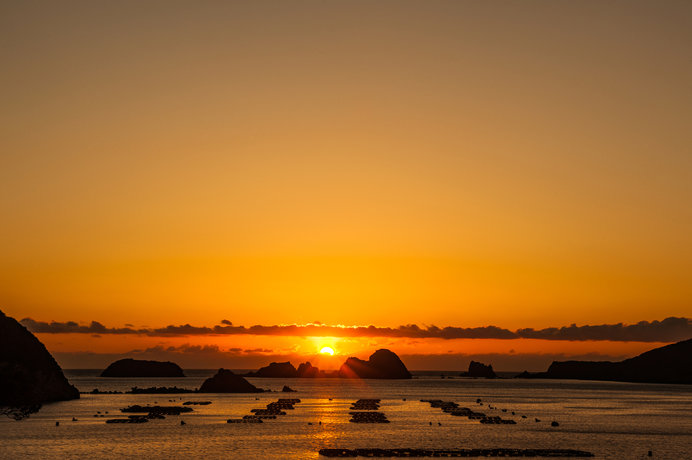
column 276, row 370
column 129, row 367
column 383, row 364
column 307, row 370
column 668, row 364
column 29, row 376
column 287, row 370
column 226, row 381
column 481, row 370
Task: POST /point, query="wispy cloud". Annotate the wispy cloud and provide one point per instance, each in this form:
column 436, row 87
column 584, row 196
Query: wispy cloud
column 668, row 330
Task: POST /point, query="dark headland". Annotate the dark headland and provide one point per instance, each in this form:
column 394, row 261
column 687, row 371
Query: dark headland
column 28, row 373
column 668, row 364
column 141, row 368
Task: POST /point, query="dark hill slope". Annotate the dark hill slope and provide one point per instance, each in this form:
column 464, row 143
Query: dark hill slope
column 669, row 364
column 28, row 373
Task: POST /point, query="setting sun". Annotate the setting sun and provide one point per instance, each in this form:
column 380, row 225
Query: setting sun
column 327, row 351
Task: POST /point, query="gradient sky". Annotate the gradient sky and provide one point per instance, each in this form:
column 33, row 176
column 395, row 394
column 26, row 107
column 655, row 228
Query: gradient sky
column 520, row 164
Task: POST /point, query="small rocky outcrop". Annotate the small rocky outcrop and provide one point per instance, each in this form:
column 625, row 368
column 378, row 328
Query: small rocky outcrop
column 29, row 376
column 141, row 368
column 226, row 381
column 525, row 375
column 276, row 370
column 479, row 370
column 383, row 364
column 287, row 389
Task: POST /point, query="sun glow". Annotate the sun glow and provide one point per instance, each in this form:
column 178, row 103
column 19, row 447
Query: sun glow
column 327, row 351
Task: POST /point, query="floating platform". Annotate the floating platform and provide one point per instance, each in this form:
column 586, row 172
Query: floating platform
column 404, row 452
column 166, row 410
column 131, row 419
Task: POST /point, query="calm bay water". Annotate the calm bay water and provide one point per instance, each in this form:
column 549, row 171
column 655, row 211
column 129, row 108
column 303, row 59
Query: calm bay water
column 612, row 420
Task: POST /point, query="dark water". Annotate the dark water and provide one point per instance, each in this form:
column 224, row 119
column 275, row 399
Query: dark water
column 612, row 420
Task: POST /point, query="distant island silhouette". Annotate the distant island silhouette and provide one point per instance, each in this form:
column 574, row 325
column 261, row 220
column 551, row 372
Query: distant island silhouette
column 226, row 381
column 383, row 364
column 29, row 376
column 479, row 370
column 129, row 367
column 668, row 364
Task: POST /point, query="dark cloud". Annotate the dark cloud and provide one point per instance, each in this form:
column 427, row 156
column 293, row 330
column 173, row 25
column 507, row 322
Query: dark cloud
column 668, row 330
column 185, row 329
column 71, row 327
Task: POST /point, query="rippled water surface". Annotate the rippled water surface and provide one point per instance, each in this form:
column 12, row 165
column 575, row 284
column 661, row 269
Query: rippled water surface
column 612, row 420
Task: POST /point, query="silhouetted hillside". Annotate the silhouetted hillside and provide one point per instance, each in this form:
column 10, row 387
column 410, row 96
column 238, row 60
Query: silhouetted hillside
column 28, row 373
column 668, row 364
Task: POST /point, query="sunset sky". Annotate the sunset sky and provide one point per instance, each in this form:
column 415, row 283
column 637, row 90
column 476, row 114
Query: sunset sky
column 453, row 164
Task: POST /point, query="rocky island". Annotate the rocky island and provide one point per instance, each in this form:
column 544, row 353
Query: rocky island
column 29, row 376
column 383, row 364
column 287, row 370
column 141, row 368
column 479, row 370
column 276, row 370
column 226, row 381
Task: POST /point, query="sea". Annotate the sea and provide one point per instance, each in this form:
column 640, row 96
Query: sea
column 612, row 420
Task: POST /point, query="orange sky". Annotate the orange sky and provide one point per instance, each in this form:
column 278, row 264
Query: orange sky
column 453, row 163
